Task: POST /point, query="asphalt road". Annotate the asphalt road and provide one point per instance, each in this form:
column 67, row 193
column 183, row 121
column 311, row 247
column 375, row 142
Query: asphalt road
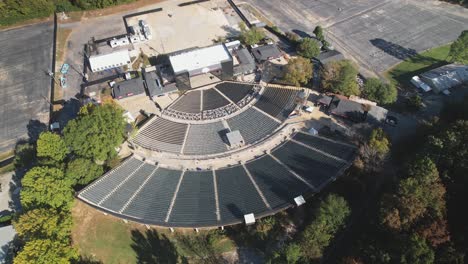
column 25, row 57
column 376, row 34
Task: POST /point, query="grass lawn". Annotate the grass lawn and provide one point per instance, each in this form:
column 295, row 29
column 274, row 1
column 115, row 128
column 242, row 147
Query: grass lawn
column 111, row 241
column 402, row 73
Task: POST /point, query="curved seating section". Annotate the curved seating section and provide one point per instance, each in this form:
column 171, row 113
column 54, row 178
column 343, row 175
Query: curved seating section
column 195, row 202
column 149, row 194
column 205, row 139
column 278, row 184
column 212, row 100
column 188, row 103
column 234, row 91
column 315, row 167
column 335, row 148
column 162, row 135
column 277, row 102
column 253, row 125
column 237, row 195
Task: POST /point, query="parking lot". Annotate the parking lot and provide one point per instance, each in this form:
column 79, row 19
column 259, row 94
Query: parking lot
column 26, row 56
column 181, row 27
column 377, row 34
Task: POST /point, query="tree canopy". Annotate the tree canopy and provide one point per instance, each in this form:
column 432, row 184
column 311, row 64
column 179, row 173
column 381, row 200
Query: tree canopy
column 330, row 217
column 250, row 36
column 52, row 146
column 96, row 132
column 382, row 93
column 44, row 223
column 83, row 171
column 318, row 31
column 308, row 48
column 45, row 251
column 340, row 77
column 459, row 49
column 417, row 251
column 298, row 71
column 46, row 186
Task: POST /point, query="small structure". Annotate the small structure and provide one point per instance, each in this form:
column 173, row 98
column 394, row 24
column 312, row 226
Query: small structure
column 244, row 63
column 299, row 200
column 416, row 81
column 324, row 100
column 128, row 88
column 266, row 52
column 357, row 112
column 154, row 85
column 445, row 77
column 235, row 139
column 330, row 56
column 100, row 62
column 249, row 219
column 119, row 42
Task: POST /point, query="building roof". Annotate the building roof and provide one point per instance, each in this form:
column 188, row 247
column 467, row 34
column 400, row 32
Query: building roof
column 246, row 61
column 323, row 99
column 235, row 138
column 152, row 85
column 128, row 88
column 110, row 60
column 446, row 77
column 266, row 52
column 7, row 234
column 356, row 111
column 329, row 56
column 199, row 58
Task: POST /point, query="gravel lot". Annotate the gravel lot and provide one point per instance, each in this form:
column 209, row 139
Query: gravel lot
column 26, row 55
column 377, row 34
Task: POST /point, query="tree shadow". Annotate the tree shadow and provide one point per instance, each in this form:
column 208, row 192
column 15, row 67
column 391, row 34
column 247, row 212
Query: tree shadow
column 231, row 32
column 152, row 247
column 393, row 49
column 35, row 128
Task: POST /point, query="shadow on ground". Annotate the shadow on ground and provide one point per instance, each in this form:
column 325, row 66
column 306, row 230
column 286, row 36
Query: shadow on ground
column 152, row 247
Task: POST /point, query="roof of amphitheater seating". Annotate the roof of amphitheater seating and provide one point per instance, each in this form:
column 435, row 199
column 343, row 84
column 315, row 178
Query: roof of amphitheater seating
column 184, row 173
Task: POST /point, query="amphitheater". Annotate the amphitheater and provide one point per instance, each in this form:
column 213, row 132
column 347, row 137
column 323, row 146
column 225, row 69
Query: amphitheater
column 185, row 173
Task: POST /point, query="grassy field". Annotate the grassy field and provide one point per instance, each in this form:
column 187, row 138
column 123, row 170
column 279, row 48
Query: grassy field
column 402, row 73
column 111, row 241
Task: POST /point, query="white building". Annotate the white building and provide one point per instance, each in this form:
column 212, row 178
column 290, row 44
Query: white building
column 100, row 62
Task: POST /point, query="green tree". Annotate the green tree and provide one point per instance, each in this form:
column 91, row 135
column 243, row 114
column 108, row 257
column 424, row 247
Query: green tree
column 83, row 171
column 46, row 251
column 308, row 48
column 46, row 186
column 250, row 36
column 417, row 251
column 298, row 71
column 374, row 152
column 340, row 77
column 96, row 132
column 382, row 93
column 44, row 223
column 318, row 31
column 330, row 217
column 293, row 253
column 25, row 155
column 51, row 146
column 459, row 49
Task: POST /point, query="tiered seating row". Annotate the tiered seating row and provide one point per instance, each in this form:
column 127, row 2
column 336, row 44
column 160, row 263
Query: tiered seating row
column 234, row 91
column 162, row 135
column 144, row 192
column 336, row 149
column 205, row 139
column 253, row 125
column 195, row 203
column 99, row 189
column 278, row 185
column 277, row 102
column 313, row 166
column 212, row 100
column 189, row 102
column 237, row 194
